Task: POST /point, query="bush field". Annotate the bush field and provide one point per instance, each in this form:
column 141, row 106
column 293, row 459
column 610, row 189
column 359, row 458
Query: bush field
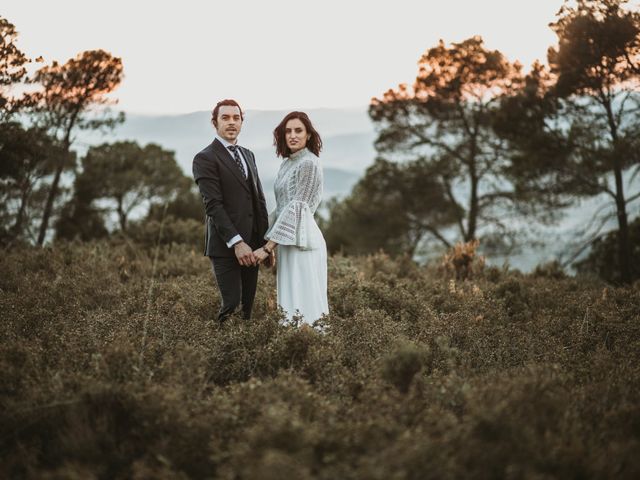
column 111, row 369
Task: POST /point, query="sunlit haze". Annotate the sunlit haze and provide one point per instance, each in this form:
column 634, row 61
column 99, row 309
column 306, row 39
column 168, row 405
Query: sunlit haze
column 283, row 54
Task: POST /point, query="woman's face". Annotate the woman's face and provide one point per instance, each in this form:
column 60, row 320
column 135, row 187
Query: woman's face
column 296, row 135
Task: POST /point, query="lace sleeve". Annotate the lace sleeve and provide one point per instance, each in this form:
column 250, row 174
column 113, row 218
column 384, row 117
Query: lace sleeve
column 290, row 228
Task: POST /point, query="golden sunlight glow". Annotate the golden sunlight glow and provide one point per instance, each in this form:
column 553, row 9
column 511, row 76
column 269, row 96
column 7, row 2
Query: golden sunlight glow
column 173, row 54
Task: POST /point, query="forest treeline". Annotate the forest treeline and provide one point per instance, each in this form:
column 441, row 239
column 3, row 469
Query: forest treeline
column 51, row 193
column 473, row 149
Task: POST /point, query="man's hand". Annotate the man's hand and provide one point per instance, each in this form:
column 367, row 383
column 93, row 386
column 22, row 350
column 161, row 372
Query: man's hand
column 245, row 256
column 260, row 255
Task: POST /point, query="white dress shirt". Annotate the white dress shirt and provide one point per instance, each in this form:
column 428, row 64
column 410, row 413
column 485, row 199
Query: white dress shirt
column 228, row 144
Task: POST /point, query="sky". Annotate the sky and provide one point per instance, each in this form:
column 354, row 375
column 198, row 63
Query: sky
column 184, row 56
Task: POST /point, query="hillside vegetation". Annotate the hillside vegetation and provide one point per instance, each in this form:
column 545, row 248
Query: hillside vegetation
column 111, row 369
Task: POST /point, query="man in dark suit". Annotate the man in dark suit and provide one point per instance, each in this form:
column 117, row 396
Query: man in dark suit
column 235, row 207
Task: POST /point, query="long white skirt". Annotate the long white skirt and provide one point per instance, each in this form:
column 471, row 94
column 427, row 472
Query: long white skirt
column 302, row 280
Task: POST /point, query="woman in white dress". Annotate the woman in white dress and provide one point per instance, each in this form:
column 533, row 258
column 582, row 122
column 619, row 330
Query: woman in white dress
column 302, row 251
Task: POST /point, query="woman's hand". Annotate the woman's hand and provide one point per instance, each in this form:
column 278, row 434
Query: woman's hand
column 266, row 254
column 260, row 255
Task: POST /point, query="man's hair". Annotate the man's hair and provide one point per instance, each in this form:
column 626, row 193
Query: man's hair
column 216, row 109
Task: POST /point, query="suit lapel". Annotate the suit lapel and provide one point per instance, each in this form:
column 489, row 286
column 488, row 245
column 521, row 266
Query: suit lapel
column 227, row 161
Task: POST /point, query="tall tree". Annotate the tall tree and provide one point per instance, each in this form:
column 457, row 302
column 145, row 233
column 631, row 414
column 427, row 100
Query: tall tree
column 576, row 126
column 445, row 120
column 12, row 68
column 27, row 157
column 67, row 102
column 187, row 203
column 396, row 204
column 130, row 176
column 603, row 259
column 80, row 218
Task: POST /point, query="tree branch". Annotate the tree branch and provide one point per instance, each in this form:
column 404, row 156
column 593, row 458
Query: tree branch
column 487, row 198
column 632, row 198
column 443, row 146
column 620, row 111
column 632, row 65
column 452, row 198
column 587, row 243
column 437, row 234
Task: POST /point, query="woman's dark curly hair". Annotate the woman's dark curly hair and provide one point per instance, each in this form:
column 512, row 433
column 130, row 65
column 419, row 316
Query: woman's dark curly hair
column 314, row 143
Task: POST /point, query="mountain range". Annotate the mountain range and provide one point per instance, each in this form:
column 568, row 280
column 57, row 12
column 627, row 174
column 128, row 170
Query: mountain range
column 347, row 136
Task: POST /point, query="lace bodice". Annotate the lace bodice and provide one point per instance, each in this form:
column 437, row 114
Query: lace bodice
column 298, row 190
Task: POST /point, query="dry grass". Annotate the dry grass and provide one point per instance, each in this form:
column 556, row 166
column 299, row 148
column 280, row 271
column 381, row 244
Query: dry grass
column 416, row 376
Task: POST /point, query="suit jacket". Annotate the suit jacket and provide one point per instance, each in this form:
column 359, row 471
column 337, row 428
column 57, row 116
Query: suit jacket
column 232, row 203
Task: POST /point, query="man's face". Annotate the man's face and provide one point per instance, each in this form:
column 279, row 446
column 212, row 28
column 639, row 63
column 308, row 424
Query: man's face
column 229, row 123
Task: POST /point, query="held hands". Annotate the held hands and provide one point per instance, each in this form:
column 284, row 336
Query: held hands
column 268, row 259
column 245, row 256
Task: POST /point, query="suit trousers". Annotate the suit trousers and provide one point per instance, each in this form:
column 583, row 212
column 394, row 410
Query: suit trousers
column 237, row 284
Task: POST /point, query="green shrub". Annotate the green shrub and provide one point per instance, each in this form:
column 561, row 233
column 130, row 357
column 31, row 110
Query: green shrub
column 112, row 367
column 400, row 366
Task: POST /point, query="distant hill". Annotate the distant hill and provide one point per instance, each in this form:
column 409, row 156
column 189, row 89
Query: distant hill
column 347, row 135
column 188, row 133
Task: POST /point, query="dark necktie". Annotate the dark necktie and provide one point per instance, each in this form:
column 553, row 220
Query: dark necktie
column 236, row 158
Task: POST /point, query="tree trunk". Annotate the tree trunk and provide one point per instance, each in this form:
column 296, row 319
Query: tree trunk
column 473, row 211
column 624, row 247
column 53, row 192
column 122, row 216
column 473, row 197
column 17, row 226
